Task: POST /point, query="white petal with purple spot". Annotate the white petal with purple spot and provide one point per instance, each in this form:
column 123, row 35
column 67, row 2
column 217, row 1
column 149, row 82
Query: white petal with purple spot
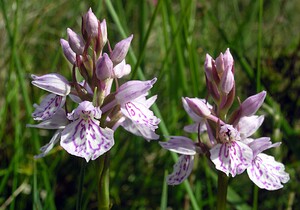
column 133, row 89
column 249, row 125
column 231, row 157
column 48, row 107
column 181, row 145
column 142, row 118
column 140, row 130
column 85, row 138
column 181, row 170
column 140, row 114
column 122, row 69
column 267, row 173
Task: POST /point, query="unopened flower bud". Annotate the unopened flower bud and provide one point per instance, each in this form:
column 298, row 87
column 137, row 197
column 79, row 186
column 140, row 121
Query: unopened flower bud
column 220, row 64
column 228, row 60
column 91, row 24
column 76, row 42
column 103, row 32
column 224, row 62
column 68, row 52
column 198, row 107
column 120, row 50
column 104, row 67
column 227, row 81
column 208, row 67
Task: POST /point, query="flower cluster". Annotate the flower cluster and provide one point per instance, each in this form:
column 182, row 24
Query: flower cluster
column 87, row 131
column 230, row 146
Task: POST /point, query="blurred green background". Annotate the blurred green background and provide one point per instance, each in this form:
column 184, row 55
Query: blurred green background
column 170, row 41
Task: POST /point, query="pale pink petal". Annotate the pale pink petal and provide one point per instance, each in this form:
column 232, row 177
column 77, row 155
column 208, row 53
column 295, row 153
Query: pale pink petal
column 181, row 170
column 46, row 148
column 247, row 140
column 261, row 144
column 140, row 130
column 122, row 69
column 143, row 118
column 231, row 157
column 181, row 145
column 57, row 121
column 249, row 125
column 133, row 89
column 267, row 173
column 252, row 104
column 54, row 83
column 85, row 138
column 150, row 101
column 194, row 128
column 49, row 105
column 146, row 102
column 140, row 114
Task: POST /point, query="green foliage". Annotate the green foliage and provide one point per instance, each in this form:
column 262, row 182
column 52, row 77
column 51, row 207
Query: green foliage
column 170, row 41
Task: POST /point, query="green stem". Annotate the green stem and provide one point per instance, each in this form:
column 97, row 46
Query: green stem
column 255, row 198
column 80, row 185
column 103, row 184
column 222, row 190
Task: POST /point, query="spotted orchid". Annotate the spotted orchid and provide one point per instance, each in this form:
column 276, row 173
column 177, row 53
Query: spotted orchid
column 79, row 131
column 139, row 119
column 230, row 146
